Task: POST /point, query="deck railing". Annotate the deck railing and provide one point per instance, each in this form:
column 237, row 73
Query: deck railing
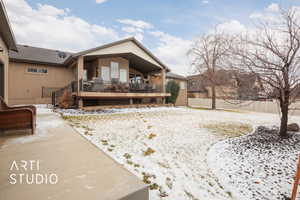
column 118, row 87
column 101, row 86
column 57, row 95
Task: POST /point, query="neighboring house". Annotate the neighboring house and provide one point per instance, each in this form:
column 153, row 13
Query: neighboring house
column 182, row 82
column 199, row 86
column 7, row 42
column 229, row 85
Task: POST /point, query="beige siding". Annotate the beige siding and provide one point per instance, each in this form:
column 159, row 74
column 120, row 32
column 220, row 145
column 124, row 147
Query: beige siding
column 26, row 88
column 126, row 47
column 4, row 61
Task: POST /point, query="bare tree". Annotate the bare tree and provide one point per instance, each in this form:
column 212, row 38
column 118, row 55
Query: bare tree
column 207, row 55
column 272, row 52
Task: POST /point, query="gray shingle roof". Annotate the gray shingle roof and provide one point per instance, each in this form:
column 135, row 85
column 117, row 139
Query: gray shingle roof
column 175, row 76
column 37, row 55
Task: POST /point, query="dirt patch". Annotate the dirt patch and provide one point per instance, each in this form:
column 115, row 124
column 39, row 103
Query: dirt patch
column 229, row 129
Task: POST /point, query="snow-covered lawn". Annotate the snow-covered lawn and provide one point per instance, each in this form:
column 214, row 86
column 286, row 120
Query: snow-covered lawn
column 167, row 149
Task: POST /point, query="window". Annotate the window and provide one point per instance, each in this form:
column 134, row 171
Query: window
column 114, row 66
column 85, row 76
column 123, row 75
column 37, row 70
column 105, row 73
column 182, row 85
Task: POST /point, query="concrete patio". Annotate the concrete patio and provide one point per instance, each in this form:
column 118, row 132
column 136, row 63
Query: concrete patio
column 83, row 171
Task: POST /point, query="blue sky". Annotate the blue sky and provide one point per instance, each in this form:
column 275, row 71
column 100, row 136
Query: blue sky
column 166, row 27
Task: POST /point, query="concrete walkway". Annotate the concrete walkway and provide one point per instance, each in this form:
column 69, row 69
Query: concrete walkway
column 82, row 170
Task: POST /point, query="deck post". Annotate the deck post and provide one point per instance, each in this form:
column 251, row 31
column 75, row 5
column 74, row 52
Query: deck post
column 163, row 79
column 80, row 66
column 164, row 100
column 130, row 101
column 80, row 103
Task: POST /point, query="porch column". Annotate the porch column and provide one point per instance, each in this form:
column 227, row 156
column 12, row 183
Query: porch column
column 80, row 103
column 163, row 79
column 80, row 63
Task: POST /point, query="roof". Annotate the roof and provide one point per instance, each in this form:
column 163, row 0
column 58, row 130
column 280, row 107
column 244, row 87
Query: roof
column 37, row 55
column 5, row 29
column 172, row 75
column 132, row 39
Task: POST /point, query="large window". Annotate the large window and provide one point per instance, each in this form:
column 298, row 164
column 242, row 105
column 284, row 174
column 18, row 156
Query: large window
column 37, row 70
column 123, row 75
column 105, row 73
column 114, row 66
column 85, row 75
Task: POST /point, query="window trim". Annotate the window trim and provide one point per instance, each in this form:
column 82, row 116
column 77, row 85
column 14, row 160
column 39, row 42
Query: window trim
column 37, row 70
column 126, row 75
column 117, row 71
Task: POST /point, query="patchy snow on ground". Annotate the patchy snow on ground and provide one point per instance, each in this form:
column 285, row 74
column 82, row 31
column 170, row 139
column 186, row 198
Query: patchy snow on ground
column 167, row 148
column 43, row 109
column 76, row 112
column 256, row 166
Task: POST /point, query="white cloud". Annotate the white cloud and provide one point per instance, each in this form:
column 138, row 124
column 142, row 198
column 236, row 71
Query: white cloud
column 231, row 27
column 100, row 1
column 273, row 7
column 269, row 13
column 135, row 28
column 130, row 29
column 205, row 1
column 136, row 23
column 173, row 51
column 51, row 27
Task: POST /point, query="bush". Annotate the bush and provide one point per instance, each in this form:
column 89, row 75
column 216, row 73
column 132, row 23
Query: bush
column 173, row 88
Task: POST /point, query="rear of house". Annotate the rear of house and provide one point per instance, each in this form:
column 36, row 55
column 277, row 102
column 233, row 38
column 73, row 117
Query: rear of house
column 123, row 72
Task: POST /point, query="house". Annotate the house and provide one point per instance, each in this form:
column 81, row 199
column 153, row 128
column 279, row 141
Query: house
column 199, row 86
column 182, row 82
column 230, row 84
column 122, row 72
column 7, row 43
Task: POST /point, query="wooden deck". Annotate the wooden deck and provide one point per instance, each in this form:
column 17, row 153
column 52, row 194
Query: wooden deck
column 119, row 95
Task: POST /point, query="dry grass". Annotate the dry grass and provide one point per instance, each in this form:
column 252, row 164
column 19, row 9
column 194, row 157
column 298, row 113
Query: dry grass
column 151, row 136
column 229, row 129
column 149, row 151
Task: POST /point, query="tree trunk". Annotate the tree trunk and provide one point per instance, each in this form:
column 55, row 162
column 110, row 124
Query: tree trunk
column 213, row 97
column 284, row 119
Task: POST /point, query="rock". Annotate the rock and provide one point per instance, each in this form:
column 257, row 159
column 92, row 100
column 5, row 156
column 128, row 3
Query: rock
column 268, row 130
column 294, row 127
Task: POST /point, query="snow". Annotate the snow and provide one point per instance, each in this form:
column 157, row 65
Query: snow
column 179, row 168
column 256, row 166
column 75, row 112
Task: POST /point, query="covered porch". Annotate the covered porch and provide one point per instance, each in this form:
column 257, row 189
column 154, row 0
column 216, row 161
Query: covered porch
column 117, row 79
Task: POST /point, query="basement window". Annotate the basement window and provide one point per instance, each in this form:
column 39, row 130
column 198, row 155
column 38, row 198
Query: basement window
column 37, row 70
